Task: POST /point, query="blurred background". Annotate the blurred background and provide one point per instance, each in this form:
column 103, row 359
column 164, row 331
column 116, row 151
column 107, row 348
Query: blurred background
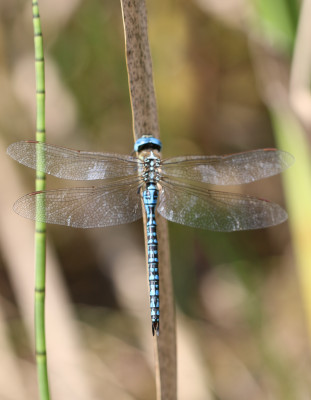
column 226, row 81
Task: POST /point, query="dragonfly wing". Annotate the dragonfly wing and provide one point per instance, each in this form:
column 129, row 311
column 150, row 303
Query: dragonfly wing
column 72, row 164
column 232, row 169
column 88, row 207
column 216, row 211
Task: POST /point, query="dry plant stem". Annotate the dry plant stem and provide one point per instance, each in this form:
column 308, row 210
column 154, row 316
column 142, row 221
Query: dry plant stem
column 139, row 67
column 299, row 88
column 165, row 350
column 145, row 121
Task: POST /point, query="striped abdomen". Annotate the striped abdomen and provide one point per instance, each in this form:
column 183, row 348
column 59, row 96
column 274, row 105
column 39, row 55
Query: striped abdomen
column 150, row 197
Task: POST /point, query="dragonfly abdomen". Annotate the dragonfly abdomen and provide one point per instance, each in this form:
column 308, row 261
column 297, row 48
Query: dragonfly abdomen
column 150, row 198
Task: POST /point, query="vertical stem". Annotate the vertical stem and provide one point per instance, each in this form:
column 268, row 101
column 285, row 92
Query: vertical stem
column 296, row 137
column 297, row 185
column 40, row 236
column 300, row 76
column 145, row 121
column 139, row 67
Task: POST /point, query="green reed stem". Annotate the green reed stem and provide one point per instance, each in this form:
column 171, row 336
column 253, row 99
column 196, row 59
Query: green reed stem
column 40, row 235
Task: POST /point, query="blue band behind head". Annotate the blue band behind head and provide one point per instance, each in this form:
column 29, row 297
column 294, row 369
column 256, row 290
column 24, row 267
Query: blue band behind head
column 147, row 142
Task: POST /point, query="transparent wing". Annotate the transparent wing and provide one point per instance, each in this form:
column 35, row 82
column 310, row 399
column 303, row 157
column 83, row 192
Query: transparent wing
column 232, row 169
column 72, row 164
column 88, row 207
column 216, row 211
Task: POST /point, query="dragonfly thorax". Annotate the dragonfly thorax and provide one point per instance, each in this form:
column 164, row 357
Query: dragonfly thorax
column 151, row 171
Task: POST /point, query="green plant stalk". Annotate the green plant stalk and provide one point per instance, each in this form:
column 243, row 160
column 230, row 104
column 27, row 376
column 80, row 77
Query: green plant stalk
column 279, row 20
column 297, row 186
column 40, row 234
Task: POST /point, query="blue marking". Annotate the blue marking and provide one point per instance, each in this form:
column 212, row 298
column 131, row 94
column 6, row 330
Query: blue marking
column 153, row 277
column 150, row 197
column 147, row 142
column 153, row 240
column 154, row 303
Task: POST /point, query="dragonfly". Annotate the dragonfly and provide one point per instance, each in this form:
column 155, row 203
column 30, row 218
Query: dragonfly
column 180, row 189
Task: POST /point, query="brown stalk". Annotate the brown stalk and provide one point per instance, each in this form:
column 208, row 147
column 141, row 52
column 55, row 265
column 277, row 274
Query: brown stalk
column 145, row 121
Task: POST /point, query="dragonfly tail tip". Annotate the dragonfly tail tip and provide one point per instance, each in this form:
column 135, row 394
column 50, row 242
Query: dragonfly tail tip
column 155, row 328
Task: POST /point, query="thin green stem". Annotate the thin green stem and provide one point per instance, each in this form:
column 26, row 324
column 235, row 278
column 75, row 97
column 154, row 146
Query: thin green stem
column 40, row 236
